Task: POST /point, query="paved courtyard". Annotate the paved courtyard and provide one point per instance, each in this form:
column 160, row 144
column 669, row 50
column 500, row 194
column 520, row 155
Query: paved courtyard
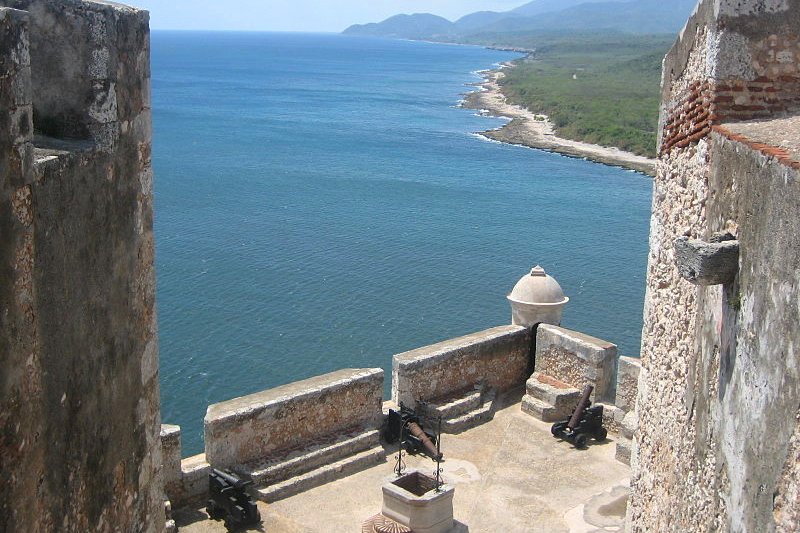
column 510, row 475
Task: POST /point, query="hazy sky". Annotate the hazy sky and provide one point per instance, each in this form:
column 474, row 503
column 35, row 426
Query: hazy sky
column 299, row 15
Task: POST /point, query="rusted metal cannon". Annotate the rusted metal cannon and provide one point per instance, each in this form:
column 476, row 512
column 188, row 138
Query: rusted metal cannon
column 228, row 499
column 586, row 422
column 406, row 426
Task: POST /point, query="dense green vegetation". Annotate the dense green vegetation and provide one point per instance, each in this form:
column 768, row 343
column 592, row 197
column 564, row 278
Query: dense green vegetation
column 602, row 89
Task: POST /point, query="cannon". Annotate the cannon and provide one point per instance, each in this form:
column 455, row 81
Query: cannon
column 228, row 499
column 406, row 426
column 585, row 422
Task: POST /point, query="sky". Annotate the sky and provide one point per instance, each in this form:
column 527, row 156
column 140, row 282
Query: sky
column 299, row 15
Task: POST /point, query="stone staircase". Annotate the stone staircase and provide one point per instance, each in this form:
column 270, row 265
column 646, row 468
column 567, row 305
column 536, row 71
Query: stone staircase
column 549, row 399
column 316, row 465
column 462, row 411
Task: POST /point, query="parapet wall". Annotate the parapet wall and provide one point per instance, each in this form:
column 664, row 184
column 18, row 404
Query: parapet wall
column 734, row 60
column 577, row 359
column 256, row 427
column 79, row 406
column 498, row 357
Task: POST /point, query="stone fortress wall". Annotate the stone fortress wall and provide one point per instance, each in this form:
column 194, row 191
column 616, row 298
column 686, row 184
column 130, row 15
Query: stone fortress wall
column 710, row 419
column 716, row 445
column 79, row 405
column 285, row 438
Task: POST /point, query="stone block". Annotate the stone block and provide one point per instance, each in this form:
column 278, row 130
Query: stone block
column 194, row 480
column 266, row 424
column 577, row 360
column 623, row 451
column 612, row 418
column 171, row 458
column 498, row 357
column 628, row 369
column 707, row 263
column 552, row 391
column 542, row 410
column 630, row 423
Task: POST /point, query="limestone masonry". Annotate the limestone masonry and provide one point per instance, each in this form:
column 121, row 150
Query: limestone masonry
column 708, row 418
column 715, row 448
column 79, row 405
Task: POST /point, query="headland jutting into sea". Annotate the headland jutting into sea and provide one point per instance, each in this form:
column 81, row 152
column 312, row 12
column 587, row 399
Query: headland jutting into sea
column 535, row 130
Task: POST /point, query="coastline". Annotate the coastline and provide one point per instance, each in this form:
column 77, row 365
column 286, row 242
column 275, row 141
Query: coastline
column 535, row 131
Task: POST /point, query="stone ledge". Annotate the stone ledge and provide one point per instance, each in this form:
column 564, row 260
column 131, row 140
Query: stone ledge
column 498, row 358
column 707, row 263
column 436, row 353
column 590, row 348
column 272, row 422
column 247, row 406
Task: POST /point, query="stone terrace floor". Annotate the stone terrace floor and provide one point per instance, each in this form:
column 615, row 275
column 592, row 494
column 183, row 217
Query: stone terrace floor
column 509, row 474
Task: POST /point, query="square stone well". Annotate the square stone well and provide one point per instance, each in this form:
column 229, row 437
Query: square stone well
column 412, row 500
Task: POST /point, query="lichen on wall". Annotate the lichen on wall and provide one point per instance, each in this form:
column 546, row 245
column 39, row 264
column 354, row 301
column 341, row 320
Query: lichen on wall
column 79, row 406
column 720, row 384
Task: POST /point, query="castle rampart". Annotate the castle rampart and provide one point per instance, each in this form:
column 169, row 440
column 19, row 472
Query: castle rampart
column 720, row 386
column 79, row 407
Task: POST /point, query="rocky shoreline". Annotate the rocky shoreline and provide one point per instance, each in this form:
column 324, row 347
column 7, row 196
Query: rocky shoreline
column 535, row 131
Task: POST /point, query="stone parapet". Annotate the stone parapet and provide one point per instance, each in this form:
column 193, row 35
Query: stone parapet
column 171, row 458
column 497, row 357
column 259, row 426
column 577, row 360
column 627, row 382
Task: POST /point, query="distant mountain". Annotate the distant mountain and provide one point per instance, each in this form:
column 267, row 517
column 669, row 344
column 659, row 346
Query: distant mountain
column 416, row 26
column 477, row 20
column 641, row 16
column 637, row 16
column 537, row 7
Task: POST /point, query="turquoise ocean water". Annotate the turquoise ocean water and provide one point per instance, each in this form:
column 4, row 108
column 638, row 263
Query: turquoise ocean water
column 322, row 203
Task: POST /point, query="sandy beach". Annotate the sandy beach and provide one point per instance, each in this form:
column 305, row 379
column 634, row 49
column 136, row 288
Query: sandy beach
column 536, row 131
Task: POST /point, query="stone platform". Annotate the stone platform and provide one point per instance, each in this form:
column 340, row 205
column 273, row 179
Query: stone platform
column 509, row 475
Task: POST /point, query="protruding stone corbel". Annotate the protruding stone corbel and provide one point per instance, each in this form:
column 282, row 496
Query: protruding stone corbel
column 708, row 263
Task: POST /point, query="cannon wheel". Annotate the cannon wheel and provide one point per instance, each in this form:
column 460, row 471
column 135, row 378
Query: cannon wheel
column 213, row 510
column 580, row 440
column 601, row 434
column 557, row 429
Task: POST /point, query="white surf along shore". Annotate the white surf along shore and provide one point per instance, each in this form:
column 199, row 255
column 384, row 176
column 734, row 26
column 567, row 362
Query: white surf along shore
column 536, row 131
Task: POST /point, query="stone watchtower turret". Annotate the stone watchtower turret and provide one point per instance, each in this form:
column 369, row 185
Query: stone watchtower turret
column 537, row 298
column 79, row 403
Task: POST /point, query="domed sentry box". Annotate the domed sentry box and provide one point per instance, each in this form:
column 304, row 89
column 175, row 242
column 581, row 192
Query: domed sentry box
column 537, row 298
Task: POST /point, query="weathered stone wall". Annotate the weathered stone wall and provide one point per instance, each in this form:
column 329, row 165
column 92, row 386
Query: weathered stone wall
column 171, row 457
column 734, row 60
column 718, row 390
column 79, row 408
column 261, row 425
column 498, row 357
column 577, row 360
column 627, row 383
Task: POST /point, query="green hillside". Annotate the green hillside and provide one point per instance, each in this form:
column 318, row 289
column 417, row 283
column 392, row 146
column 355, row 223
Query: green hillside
column 598, row 89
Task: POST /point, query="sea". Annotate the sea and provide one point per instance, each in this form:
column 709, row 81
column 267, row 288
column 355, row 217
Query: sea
column 322, row 202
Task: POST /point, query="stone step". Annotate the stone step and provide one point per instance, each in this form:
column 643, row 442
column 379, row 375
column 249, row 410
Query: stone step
column 542, row 410
column 551, row 391
column 623, row 451
column 322, row 475
column 455, row 408
column 305, row 460
column 483, row 413
column 612, row 417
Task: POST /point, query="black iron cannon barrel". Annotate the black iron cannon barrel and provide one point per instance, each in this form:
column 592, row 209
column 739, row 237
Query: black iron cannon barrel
column 581, row 407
